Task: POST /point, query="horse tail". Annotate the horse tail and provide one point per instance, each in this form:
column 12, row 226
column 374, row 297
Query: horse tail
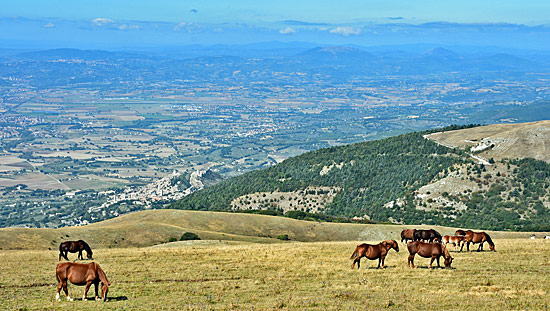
column 491, row 244
column 355, row 253
column 102, row 275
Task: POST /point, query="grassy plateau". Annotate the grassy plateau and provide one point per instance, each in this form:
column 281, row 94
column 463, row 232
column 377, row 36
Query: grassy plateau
column 237, row 275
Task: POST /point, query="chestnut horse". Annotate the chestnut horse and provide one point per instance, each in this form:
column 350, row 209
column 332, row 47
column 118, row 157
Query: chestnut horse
column 407, row 234
column 477, row 237
column 81, row 274
column 73, row 247
column 456, row 240
column 378, row 251
column 427, row 250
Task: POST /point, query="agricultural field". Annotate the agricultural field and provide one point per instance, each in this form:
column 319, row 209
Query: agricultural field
column 231, row 275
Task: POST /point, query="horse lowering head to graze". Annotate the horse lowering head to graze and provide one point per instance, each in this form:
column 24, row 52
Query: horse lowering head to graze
column 456, row 240
column 73, row 247
column 477, row 237
column 378, row 251
column 427, row 235
column 407, row 234
column 81, row 274
column 429, row 250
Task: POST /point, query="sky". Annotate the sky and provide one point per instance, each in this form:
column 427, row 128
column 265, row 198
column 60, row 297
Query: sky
column 117, row 23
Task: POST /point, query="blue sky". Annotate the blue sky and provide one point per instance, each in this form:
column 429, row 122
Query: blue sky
column 117, row 23
column 250, row 11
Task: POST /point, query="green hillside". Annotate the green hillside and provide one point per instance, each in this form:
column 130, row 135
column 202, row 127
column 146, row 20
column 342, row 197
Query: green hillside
column 382, row 181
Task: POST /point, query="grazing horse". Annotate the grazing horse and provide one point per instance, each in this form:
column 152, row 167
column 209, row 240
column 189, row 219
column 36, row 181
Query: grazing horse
column 456, row 240
column 427, row 235
column 477, row 237
column 407, row 234
column 378, row 251
column 73, row 247
column 81, row 274
column 427, row 250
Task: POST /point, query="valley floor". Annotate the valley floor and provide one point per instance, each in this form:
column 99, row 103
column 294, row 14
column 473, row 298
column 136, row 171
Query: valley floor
column 220, row 275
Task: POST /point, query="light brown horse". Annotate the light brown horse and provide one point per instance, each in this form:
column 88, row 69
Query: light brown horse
column 378, row 251
column 456, row 240
column 407, row 234
column 427, row 250
column 81, row 274
column 477, row 237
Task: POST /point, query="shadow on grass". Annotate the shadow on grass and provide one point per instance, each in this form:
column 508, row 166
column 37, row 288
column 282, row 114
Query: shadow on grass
column 118, row 298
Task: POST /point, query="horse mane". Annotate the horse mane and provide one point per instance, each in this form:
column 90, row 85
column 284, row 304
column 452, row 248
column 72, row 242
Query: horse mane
column 489, row 240
column 102, row 275
column 86, row 246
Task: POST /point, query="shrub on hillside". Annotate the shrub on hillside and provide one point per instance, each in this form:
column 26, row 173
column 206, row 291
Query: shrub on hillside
column 189, row 236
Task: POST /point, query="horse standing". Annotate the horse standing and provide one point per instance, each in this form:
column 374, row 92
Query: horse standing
column 427, row 235
column 407, row 234
column 73, row 247
column 456, row 240
column 477, row 237
column 378, row 251
column 427, row 250
column 81, row 274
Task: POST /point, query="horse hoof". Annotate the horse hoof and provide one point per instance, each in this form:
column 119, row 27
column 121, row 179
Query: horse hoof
column 97, row 298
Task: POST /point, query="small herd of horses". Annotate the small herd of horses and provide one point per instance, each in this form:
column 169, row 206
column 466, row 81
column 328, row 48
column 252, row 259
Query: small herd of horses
column 425, row 243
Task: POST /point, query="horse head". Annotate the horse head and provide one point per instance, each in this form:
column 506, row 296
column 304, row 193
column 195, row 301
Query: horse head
column 447, row 256
column 104, row 290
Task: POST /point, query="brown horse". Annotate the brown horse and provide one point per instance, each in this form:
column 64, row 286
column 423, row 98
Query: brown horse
column 407, row 234
column 477, row 237
column 426, row 250
column 73, row 247
column 456, row 240
column 378, row 251
column 81, row 274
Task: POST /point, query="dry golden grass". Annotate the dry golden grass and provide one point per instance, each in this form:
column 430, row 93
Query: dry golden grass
column 287, row 276
column 152, row 227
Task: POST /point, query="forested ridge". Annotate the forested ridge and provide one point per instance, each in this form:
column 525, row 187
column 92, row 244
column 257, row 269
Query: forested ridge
column 371, row 174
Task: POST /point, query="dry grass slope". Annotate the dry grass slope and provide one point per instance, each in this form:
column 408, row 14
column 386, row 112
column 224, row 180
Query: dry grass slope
column 523, row 140
column 152, row 227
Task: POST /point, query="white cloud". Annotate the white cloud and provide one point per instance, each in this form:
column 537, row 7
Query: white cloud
column 129, row 27
column 287, row 30
column 49, row 25
column 189, row 27
column 102, row 21
column 346, row 31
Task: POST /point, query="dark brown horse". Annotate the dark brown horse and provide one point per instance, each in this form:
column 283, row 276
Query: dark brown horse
column 477, row 237
column 81, row 274
column 73, row 247
column 427, row 250
column 378, row 251
column 456, row 240
column 427, row 235
column 462, row 232
column 407, row 235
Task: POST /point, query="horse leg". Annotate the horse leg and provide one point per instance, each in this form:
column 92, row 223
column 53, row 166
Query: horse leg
column 383, row 258
column 66, row 291
column 431, row 261
column 410, row 261
column 59, row 286
column 438, row 263
column 84, row 297
column 96, row 293
column 80, row 255
column 65, row 255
